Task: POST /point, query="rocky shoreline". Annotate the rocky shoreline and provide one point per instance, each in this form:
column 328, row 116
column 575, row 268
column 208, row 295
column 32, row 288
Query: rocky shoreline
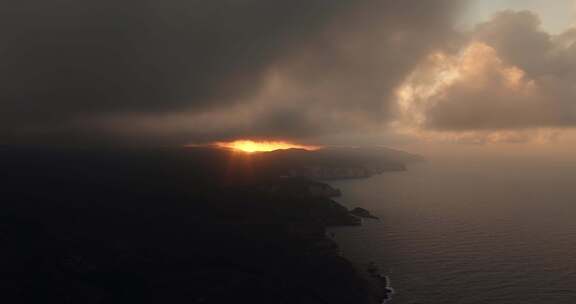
column 330, row 214
column 109, row 227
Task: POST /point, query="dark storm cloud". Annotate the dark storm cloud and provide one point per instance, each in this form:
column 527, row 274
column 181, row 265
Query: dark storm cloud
column 64, row 63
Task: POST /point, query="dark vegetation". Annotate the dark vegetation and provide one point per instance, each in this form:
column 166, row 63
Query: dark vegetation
column 171, row 226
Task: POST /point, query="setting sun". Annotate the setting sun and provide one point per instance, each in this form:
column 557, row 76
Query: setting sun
column 250, row 146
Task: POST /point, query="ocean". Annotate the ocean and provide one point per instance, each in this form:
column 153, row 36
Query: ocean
column 469, row 232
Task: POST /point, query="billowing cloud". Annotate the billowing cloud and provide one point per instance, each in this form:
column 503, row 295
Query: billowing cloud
column 203, row 69
column 193, row 71
column 510, row 79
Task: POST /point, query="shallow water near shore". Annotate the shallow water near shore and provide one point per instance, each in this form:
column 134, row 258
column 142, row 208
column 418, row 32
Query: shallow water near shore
column 469, row 232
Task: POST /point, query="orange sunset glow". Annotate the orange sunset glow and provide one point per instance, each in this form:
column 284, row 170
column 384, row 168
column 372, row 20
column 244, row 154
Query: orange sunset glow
column 250, row 146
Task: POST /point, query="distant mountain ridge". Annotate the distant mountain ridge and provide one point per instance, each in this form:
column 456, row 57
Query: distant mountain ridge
column 202, row 164
column 337, row 162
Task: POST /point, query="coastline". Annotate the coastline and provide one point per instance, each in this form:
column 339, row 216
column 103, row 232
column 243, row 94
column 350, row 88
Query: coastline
column 373, row 282
column 146, row 235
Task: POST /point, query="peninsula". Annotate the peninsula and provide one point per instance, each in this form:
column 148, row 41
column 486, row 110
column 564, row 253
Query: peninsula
column 195, row 225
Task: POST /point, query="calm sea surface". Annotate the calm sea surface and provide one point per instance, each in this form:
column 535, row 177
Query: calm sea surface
column 470, row 233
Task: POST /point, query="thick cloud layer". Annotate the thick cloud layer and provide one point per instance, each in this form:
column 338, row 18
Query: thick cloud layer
column 207, row 70
column 181, row 71
column 510, row 75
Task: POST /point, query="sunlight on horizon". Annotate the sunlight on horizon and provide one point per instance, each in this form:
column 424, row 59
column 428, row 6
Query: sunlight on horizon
column 250, row 146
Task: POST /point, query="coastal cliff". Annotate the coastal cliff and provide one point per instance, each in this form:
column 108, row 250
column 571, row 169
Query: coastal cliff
column 352, row 172
column 310, row 214
column 155, row 229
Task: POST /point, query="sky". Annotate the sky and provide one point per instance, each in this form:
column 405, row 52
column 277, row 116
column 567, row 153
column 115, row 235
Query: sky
column 405, row 73
column 556, row 15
